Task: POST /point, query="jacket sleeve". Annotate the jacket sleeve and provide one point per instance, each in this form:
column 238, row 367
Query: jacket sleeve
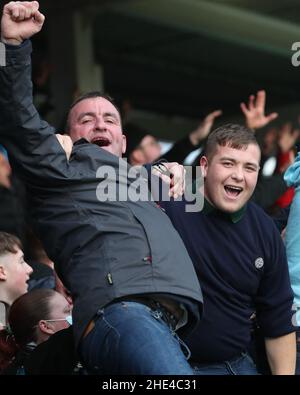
column 33, row 149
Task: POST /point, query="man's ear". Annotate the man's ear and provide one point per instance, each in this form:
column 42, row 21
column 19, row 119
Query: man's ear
column 204, row 165
column 46, row 327
column 3, row 275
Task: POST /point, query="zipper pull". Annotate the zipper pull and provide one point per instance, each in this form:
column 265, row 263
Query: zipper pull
column 109, row 279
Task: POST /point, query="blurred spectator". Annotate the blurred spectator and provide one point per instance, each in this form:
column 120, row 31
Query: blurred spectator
column 143, row 147
column 286, row 141
column 255, row 118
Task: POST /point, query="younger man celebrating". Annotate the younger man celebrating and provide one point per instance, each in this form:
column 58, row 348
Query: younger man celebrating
column 240, row 258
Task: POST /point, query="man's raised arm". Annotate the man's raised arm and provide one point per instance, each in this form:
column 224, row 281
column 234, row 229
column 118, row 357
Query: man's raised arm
column 29, row 140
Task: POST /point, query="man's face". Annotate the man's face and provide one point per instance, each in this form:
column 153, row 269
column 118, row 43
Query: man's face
column 15, row 272
column 150, row 148
column 98, row 121
column 230, row 176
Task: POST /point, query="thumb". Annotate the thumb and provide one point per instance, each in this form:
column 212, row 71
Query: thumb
column 39, row 17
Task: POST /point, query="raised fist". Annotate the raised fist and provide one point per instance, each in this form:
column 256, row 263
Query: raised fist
column 20, row 20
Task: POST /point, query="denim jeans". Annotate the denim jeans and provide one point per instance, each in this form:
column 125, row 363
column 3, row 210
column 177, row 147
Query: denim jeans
column 241, row 365
column 131, row 338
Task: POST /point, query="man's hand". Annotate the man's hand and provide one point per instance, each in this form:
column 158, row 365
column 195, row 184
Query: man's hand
column 255, row 112
column 173, row 174
column 20, row 20
column 204, row 128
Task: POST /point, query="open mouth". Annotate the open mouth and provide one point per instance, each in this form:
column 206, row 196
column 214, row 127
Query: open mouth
column 233, row 191
column 101, row 141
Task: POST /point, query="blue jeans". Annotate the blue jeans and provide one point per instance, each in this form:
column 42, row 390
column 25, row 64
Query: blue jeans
column 242, row 365
column 130, row 338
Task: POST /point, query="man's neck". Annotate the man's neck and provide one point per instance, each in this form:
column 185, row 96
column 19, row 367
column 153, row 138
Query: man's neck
column 235, row 216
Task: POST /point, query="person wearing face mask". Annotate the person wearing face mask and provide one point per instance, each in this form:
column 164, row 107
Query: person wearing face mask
column 33, row 318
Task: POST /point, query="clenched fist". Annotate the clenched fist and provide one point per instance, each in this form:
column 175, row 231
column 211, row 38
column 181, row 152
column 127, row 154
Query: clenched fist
column 20, row 20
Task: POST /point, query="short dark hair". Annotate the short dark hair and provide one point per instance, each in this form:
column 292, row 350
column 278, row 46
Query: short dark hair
column 90, row 95
column 8, row 243
column 231, row 135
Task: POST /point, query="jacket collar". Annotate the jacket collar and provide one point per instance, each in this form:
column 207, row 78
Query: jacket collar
column 81, row 141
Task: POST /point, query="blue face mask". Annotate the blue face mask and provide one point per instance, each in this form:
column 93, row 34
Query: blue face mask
column 68, row 318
